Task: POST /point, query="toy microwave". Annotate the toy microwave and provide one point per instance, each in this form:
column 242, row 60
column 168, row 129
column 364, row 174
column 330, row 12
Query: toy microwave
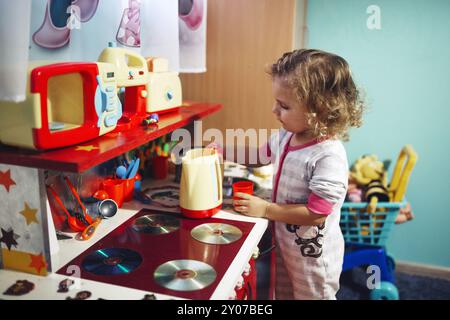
column 66, row 104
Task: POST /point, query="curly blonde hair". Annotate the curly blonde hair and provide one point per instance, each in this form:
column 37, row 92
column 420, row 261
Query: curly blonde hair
column 323, row 82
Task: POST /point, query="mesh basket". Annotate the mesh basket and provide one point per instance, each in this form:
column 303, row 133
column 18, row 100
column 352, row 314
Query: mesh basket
column 361, row 227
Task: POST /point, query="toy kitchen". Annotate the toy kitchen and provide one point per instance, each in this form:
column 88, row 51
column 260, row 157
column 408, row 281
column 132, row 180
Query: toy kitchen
column 69, row 103
column 82, row 218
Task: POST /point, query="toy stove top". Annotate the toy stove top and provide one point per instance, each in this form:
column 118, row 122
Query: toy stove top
column 129, row 255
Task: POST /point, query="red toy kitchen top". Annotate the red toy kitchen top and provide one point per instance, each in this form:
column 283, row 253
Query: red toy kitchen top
column 161, row 252
column 94, row 152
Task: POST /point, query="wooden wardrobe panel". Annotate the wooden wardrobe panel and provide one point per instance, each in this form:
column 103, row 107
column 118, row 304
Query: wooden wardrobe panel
column 243, row 37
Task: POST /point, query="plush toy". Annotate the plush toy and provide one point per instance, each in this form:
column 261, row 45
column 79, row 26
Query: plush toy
column 370, row 175
column 368, row 168
column 367, row 181
column 404, row 215
column 354, row 192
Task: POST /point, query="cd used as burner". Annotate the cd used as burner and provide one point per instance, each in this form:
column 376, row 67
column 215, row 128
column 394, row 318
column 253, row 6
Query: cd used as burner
column 156, row 224
column 111, row 261
column 216, row 233
column 184, row 275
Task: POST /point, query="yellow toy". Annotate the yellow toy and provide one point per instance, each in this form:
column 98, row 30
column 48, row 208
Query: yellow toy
column 162, row 88
column 370, row 174
column 405, row 163
column 368, row 168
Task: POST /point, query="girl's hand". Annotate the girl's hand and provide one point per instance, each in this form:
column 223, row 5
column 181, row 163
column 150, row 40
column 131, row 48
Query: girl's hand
column 250, row 205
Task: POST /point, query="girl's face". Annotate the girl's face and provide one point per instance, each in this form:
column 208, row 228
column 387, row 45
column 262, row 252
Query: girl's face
column 288, row 110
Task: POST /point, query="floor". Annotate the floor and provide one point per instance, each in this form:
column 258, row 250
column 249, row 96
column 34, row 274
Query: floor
column 410, row 287
column 353, row 282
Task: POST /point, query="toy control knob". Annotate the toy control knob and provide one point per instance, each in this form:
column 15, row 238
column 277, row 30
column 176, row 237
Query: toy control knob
column 239, row 283
column 247, row 270
column 255, row 253
column 232, row 295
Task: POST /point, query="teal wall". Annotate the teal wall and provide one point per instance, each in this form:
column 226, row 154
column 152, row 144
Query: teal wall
column 404, row 69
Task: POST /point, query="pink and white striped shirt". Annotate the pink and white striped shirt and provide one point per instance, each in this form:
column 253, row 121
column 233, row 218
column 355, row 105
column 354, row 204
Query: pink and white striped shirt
column 309, row 258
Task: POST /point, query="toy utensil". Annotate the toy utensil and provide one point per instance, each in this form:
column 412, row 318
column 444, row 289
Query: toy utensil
column 130, row 167
column 121, row 172
column 74, row 223
column 107, row 208
column 134, row 169
column 104, row 209
column 90, row 230
column 80, row 203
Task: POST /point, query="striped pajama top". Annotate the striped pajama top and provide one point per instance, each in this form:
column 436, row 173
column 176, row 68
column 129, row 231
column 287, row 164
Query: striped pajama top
column 309, row 258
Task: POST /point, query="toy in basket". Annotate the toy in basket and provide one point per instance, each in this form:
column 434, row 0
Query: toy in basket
column 369, row 222
column 368, row 178
column 366, row 225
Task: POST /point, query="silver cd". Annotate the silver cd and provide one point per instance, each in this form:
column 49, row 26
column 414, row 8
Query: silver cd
column 156, row 223
column 184, row 275
column 111, row 261
column 216, row 233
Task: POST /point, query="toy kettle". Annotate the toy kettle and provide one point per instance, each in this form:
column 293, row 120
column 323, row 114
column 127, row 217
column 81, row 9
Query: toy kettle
column 201, row 183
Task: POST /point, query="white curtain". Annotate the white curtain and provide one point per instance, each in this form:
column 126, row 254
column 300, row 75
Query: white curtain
column 160, row 31
column 192, row 24
column 14, row 35
column 90, row 26
column 92, row 36
column 78, row 30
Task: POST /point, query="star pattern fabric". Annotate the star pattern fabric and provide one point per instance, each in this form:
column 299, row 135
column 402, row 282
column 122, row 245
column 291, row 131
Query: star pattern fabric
column 5, row 179
column 29, row 214
column 9, row 238
column 37, row 262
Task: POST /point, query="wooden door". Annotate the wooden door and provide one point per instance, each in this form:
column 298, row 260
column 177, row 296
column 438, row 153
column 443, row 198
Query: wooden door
column 243, row 38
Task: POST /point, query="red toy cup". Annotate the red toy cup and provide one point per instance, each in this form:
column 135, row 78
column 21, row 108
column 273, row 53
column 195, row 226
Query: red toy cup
column 128, row 189
column 115, row 190
column 160, row 167
column 242, row 186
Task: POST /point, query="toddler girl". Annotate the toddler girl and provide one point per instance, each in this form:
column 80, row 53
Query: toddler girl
column 316, row 102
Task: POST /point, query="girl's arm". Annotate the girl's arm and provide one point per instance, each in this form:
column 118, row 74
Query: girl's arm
column 297, row 214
